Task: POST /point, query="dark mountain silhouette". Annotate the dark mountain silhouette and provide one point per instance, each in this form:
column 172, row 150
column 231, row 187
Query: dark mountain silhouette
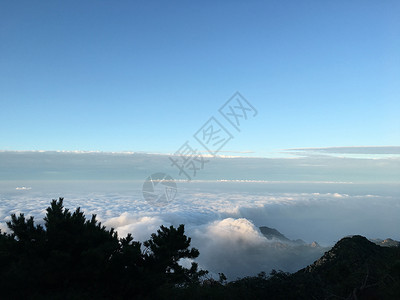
column 271, row 233
column 354, row 268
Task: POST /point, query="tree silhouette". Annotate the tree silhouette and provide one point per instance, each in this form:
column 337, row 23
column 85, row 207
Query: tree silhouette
column 72, row 254
column 165, row 249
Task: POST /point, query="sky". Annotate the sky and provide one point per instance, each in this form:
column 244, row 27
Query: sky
column 147, row 75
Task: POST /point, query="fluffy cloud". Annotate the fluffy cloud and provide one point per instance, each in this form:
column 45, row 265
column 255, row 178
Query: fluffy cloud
column 236, row 247
column 141, row 228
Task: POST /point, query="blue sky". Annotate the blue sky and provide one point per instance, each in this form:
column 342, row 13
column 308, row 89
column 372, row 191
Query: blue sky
column 146, row 75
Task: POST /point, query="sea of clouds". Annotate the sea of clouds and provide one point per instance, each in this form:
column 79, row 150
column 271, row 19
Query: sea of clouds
column 223, row 223
column 222, row 216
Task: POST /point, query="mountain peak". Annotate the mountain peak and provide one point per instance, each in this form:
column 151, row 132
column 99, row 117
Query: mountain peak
column 315, row 244
column 386, row 242
column 271, row 233
column 355, row 249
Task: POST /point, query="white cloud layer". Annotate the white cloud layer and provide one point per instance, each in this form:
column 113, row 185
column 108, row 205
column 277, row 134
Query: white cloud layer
column 223, row 217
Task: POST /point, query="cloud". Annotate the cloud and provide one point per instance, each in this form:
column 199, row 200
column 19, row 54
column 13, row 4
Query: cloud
column 141, row 228
column 3, row 227
column 353, row 150
column 236, row 247
column 223, row 218
column 314, row 166
column 239, row 232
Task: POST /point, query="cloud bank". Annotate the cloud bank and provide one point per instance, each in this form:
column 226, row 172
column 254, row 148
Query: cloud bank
column 223, row 221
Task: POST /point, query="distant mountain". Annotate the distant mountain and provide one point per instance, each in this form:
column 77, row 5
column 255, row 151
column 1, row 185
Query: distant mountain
column 386, row 243
column 272, row 233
